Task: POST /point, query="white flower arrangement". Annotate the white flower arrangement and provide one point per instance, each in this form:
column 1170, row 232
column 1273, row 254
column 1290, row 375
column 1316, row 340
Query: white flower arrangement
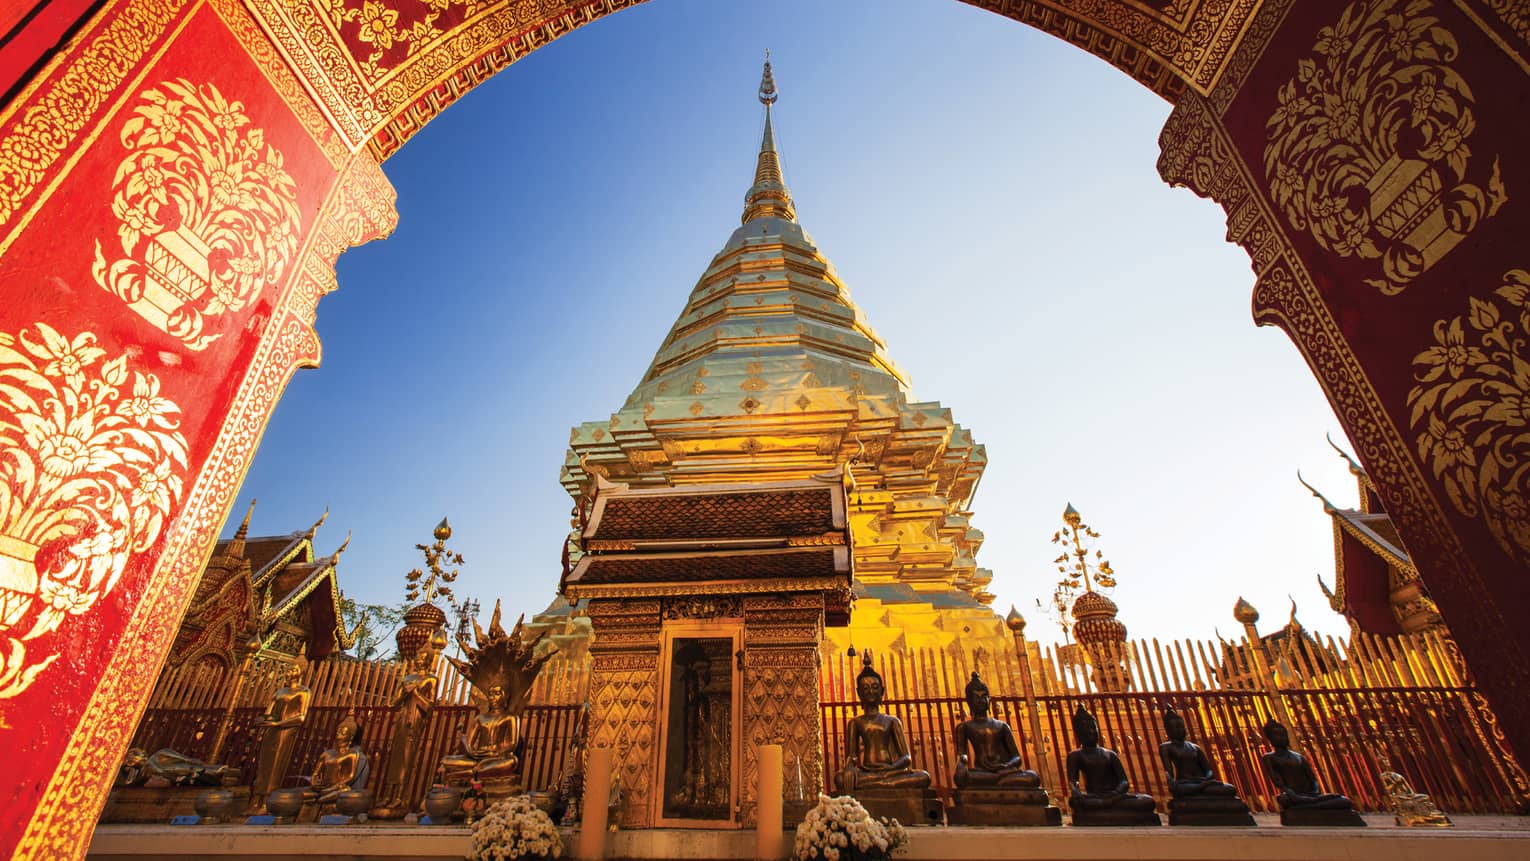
column 515, row 828
column 840, row 829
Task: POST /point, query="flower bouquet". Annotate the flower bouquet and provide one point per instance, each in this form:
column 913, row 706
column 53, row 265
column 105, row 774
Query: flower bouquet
column 840, row 829
column 515, row 829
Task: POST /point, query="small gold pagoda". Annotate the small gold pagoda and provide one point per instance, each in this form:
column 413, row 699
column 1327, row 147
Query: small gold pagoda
column 772, row 373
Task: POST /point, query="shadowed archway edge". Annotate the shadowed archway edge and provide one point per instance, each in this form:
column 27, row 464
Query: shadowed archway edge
column 379, row 96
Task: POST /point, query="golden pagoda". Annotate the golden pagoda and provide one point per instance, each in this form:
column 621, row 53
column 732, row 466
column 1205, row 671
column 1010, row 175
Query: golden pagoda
column 772, row 373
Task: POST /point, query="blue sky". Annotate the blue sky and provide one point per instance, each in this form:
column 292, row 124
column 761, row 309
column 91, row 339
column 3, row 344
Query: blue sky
column 987, row 192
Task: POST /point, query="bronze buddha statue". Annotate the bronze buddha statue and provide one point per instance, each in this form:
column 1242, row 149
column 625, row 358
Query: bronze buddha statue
column 993, row 785
column 1199, row 798
column 995, row 758
column 1301, row 800
column 412, row 705
column 341, row 768
column 487, row 753
column 1100, row 793
column 282, row 723
column 876, row 752
column 878, row 767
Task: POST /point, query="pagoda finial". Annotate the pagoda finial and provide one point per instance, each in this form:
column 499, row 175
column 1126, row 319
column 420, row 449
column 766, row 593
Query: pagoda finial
column 236, row 547
column 768, row 197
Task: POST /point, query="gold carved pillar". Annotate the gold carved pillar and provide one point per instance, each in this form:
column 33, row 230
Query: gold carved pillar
column 781, row 638
column 624, row 697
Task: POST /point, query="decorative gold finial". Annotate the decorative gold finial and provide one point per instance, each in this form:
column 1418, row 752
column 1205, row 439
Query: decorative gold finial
column 1244, row 612
column 768, row 197
column 1014, row 621
column 236, row 547
column 443, row 530
column 768, row 94
column 1078, row 570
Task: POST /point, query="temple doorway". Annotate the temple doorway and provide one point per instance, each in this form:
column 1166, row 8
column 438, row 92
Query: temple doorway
column 698, row 752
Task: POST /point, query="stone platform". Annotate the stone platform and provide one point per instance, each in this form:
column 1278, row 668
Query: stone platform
column 1480, row 838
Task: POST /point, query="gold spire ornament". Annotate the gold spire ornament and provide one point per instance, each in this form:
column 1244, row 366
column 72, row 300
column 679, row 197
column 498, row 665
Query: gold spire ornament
column 1076, row 567
column 437, row 557
column 768, row 197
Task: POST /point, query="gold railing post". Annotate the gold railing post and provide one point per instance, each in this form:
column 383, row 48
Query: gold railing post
column 1245, row 613
column 1016, row 624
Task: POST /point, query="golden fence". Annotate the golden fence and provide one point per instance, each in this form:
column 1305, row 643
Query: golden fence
column 218, row 723
column 1349, row 705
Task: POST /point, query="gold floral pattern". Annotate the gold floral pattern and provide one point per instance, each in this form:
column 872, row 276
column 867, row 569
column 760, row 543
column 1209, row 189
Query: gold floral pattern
column 207, row 214
column 1368, row 147
column 1471, row 411
column 91, row 468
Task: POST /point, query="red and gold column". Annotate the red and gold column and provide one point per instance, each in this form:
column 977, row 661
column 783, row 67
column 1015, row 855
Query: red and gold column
column 171, row 206
column 1372, row 157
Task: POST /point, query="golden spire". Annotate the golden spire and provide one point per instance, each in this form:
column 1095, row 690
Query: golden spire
column 236, row 547
column 768, row 197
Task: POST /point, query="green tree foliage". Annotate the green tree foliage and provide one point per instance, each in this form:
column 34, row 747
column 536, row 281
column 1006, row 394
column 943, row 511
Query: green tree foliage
column 377, row 622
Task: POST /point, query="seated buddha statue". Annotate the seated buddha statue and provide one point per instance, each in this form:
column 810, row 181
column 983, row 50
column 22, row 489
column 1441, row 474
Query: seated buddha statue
column 1301, row 800
column 876, row 753
column 878, row 768
column 341, row 768
column 1099, row 793
column 487, row 753
column 1199, row 797
column 993, row 785
column 995, row 758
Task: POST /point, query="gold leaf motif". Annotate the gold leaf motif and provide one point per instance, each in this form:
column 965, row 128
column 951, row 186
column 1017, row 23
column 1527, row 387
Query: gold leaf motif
column 1471, row 408
column 94, row 466
column 1368, row 145
column 207, row 214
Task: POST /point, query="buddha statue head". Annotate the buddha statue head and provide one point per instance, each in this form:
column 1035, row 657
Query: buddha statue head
column 348, row 733
column 292, row 674
column 1276, row 734
column 496, row 698
column 1174, row 725
column 977, row 696
column 1085, row 729
column 868, row 684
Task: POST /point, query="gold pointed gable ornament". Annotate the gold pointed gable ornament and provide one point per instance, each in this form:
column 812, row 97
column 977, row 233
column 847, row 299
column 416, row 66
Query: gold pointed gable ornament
column 503, row 660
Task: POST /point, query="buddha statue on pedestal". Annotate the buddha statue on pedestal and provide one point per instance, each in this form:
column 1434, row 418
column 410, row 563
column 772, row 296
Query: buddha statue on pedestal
column 878, row 768
column 1100, row 793
column 1301, row 801
column 412, row 705
column 284, row 719
column 1198, row 797
column 501, row 666
column 339, row 769
column 993, row 787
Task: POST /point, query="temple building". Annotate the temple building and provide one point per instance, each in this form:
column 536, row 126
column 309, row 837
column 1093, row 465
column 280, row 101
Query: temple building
column 1376, row 586
column 772, row 373
column 270, row 597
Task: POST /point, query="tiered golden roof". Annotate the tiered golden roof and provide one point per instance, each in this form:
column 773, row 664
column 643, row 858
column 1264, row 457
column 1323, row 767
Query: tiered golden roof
column 772, row 373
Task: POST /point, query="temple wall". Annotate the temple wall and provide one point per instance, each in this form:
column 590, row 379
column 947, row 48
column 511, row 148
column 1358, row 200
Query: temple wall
column 624, row 700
